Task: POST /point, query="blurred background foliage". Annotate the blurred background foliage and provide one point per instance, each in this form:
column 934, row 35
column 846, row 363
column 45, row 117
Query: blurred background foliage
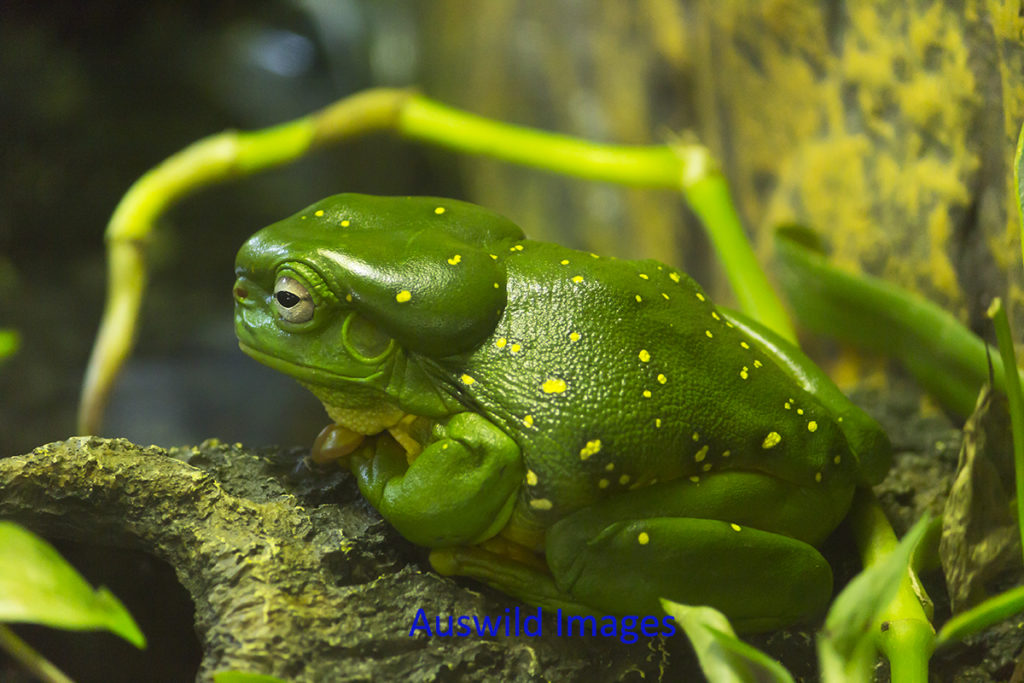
column 887, row 126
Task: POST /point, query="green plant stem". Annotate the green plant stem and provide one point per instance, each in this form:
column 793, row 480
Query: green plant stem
column 903, row 632
column 29, row 658
column 686, row 168
column 1004, row 338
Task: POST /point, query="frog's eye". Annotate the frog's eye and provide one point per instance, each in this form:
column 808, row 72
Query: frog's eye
column 292, row 301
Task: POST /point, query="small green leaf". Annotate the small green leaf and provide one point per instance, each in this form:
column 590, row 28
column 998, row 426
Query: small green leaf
column 10, row 340
column 243, row 677
column 846, row 645
column 38, row 586
column 992, row 611
column 724, row 657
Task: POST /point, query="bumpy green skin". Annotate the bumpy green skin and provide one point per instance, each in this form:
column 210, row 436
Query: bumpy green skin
column 602, row 414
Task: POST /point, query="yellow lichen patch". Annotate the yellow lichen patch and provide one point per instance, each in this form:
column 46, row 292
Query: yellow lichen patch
column 642, row 538
column 772, row 440
column 701, row 454
column 553, row 386
column 812, row 426
column 439, row 210
column 455, row 260
column 467, row 380
column 541, row 504
column 574, row 336
column 645, row 355
column 403, row 296
column 528, row 420
column 590, row 449
column 318, row 213
column 531, row 478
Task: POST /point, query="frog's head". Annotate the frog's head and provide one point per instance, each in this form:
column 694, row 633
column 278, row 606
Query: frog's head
column 334, row 294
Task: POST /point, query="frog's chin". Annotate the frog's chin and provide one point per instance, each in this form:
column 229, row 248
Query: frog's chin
column 306, row 373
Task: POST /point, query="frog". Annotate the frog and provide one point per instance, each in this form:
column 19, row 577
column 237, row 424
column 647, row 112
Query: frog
column 577, row 431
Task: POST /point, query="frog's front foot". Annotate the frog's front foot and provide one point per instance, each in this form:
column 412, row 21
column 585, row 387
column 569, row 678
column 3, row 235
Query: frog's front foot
column 333, row 443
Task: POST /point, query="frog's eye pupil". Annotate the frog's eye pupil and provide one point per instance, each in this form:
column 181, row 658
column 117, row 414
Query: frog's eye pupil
column 292, row 300
column 287, row 299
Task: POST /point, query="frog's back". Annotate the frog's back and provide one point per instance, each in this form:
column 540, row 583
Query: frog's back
column 614, row 375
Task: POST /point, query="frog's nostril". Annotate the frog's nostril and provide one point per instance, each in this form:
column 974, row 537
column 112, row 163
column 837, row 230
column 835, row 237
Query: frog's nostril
column 241, row 292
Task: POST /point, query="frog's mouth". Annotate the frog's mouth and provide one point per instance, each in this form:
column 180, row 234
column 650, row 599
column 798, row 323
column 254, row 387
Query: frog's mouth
column 307, row 373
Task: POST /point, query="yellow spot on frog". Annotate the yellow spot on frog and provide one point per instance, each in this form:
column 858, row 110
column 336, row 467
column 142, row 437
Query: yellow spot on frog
column 577, row 278
column 348, row 298
column 647, row 393
column 345, row 223
column 714, row 314
column 574, row 336
column 403, row 296
column 639, row 299
column 515, row 348
column 701, row 454
column 564, row 262
column 707, row 467
column 838, row 459
column 624, row 479
column 642, row 538
column 812, row 426
column 674, row 276
column 772, row 440
column 701, row 297
column 541, row 504
column 500, row 343
column 735, row 527
column 609, row 467
column 466, row 379
column 695, row 436
column 726, row 454
column 528, row 420
column 695, row 479
column 644, row 276
column 645, row 355
column 318, row 213
column 553, row 386
column 602, row 484
column 799, row 411
column 657, row 422
column 817, row 477
column 708, row 333
column 493, row 256
column 757, row 363
column 665, row 295
column 497, row 286
column 744, row 344
column 745, row 372
column 662, row 379
column 439, row 210
column 531, row 478
column 590, row 449
column 593, row 255
column 787, row 405
column 455, row 260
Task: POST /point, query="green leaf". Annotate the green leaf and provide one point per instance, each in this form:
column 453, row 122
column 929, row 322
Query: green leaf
column 243, row 677
column 846, row 644
column 38, row 586
column 9, row 343
column 992, row 611
column 723, row 657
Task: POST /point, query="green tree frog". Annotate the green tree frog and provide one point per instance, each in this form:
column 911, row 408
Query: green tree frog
column 577, row 431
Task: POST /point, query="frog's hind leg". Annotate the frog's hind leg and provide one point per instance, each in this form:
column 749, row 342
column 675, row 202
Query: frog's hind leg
column 760, row 580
